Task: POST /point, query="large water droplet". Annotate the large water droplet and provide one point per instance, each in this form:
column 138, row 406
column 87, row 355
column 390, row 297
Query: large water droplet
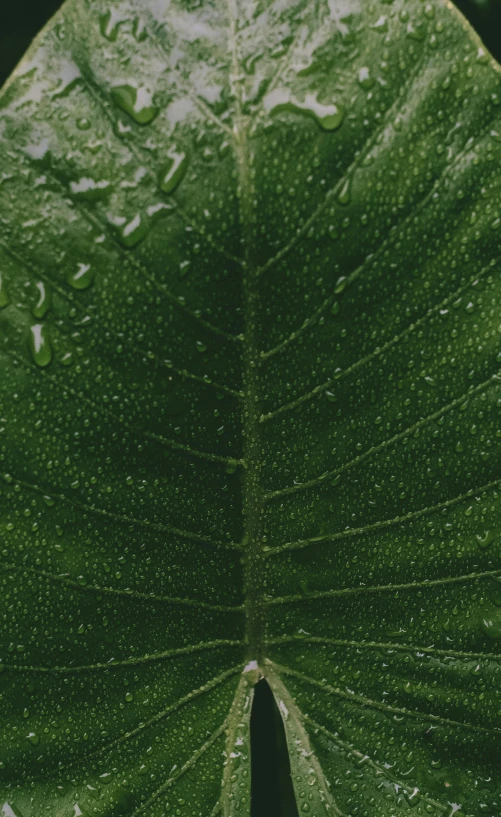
column 133, row 231
column 8, row 811
column 90, row 190
column 491, row 625
column 4, row 298
column 82, row 278
column 109, row 24
column 40, row 345
column 365, row 79
column 482, row 56
column 344, row 196
column 159, row 210
column 136, row 102
column 381, row 25
column 329, row 117
column 485, row 539
column 44, row 301
column 173, row 172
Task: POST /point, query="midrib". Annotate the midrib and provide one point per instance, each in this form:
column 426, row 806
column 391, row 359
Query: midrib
column 253, row 493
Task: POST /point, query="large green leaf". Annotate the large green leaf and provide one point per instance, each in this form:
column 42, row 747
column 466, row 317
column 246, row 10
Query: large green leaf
column 250, row 344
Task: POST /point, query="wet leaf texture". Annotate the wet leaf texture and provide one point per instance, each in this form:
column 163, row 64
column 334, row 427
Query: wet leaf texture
column 250, row 408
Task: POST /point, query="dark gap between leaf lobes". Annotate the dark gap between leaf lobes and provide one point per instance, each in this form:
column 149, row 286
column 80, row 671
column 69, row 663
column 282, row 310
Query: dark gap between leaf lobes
column 272, row 793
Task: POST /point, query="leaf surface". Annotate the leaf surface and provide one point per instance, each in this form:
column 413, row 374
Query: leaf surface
column 249, row 408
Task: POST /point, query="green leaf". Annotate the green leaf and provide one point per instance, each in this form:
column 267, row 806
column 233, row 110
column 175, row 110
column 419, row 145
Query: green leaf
column 250, row 408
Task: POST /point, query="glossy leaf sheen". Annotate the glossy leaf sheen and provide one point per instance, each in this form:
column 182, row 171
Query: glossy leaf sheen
column 249, row 408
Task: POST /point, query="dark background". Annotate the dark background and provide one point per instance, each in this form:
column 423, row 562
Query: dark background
column 20, row 20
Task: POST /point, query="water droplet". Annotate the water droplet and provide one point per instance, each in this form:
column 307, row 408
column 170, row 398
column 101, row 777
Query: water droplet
column 109, row 24
column 381, row 25
column 329, row 117
column 485, row 539
column 365, row 79
column 83, row 123
column 173, row 172
column 40, row 345
column 4, row 298
column 136, row 102
column 157, row 211
column 344, row 196
column 33, row 738
column 88, row 189
column 8, row 811
column 416, row 31
column 341, row 283
column 131, row 232
column 44, row 301
column 82, row 278
column 250, row 62
column 482, row 56
column 492, row 625
column 69, row 79
column 139, row 30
